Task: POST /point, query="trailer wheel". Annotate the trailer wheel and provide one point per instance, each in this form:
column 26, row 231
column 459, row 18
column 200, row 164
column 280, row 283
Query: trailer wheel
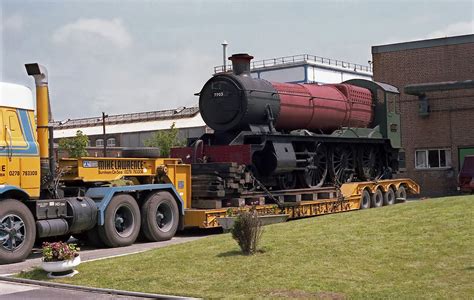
column 389, row 197
column 17, row 231
column 401, row 193
column 377, row 198
column 365, row 200
column 160, row 217
column 121, row 222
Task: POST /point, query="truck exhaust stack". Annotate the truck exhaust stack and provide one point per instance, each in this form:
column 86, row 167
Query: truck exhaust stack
column 40, row 74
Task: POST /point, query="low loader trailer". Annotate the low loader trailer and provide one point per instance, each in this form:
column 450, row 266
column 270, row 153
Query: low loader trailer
column 111, row 201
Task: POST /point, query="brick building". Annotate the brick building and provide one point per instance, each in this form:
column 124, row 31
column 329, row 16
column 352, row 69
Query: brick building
column 438, row 127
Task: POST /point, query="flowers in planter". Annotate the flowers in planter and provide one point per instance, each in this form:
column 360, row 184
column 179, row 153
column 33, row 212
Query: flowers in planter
column 59, row 251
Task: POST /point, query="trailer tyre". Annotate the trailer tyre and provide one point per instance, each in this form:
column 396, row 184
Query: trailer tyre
column 401, row 193
column 389, row 197
column 365, row 200
column 17, row 231
column 160, row 217
column 121, row 222
column 377, row 198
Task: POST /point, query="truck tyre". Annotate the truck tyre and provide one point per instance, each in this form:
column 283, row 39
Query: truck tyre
column 401, row 193
column 377, row 198
column 142, row 152
column 365, row 200
column 389, row 197
column 17, row 231
column 121, row 222
column 160, row 217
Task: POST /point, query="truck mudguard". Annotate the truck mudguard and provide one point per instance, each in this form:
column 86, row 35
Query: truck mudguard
column 103, row 195
column 14, row 192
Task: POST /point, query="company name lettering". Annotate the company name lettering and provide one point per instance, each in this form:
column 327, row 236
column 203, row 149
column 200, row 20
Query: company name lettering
column 121, row 164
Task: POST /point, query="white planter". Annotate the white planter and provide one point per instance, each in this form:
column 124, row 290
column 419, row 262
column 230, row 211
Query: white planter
column 61, row 267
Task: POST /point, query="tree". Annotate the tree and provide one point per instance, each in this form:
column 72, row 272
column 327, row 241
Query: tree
column 75, row 146
column 165, row 140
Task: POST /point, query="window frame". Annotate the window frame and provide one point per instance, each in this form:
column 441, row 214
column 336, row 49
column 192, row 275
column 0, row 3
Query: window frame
column 426, row 157
column 97, row 140
column 110, row 139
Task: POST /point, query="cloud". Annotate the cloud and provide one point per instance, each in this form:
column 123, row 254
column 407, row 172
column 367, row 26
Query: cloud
column 112, row 31
column 460, row 28
column 12, row 23
column 145, row 79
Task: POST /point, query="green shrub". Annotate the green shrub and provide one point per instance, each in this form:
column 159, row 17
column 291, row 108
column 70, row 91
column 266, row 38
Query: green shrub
column 247, row 231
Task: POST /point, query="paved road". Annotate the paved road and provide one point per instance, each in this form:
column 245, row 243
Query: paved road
column 16, row 291
column 88, row 253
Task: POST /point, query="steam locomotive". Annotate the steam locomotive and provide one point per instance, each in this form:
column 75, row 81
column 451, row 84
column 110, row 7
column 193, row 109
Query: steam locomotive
column 298, row 135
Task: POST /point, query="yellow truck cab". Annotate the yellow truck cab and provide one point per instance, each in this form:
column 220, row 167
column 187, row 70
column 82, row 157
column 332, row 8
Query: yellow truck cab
column 19, row 151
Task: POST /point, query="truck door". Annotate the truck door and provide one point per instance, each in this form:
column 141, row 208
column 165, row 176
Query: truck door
column 3, row 151
column 15, row 146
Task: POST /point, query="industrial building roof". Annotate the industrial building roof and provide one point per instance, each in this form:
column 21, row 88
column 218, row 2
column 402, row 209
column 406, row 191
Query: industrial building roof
column 184, row 117
column 181, row 112
column 455, row 40
column 300, row 58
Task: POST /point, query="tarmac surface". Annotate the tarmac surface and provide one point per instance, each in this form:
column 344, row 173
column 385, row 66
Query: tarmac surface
column 37, row 290
column 89, row 253
column 17, row 291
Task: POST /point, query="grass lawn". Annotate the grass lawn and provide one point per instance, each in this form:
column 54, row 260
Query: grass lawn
column 422, row 249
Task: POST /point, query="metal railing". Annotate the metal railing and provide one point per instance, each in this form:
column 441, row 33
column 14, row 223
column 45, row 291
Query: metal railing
column 278, row 61
column 181, row 112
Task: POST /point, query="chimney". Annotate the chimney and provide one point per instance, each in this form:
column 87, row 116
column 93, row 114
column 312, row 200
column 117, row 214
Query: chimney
column 241, row 64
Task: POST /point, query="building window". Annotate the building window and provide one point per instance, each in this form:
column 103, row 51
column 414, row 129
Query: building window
column 111, row 142
column 99, row 143
column 433, row 158
column 401, row 160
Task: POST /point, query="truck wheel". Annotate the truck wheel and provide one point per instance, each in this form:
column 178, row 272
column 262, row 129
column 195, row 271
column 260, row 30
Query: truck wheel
column 389, row 197
column 160, row 217
column 377, row 198
column 401, row 193
column 17, row 231
column 121, row 223
column 365, row 200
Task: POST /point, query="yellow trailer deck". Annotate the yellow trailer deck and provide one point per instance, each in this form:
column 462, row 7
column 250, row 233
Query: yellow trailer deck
column 350, row 196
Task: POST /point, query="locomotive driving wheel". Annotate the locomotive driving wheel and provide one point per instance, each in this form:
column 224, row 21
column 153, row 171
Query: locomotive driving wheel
column 316, row 171
column 342, row 164
column 369, row 163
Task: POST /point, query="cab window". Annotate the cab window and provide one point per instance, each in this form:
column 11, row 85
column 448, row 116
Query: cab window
column 14, row 126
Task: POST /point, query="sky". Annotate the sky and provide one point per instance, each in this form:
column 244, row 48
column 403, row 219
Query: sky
column 142, row 55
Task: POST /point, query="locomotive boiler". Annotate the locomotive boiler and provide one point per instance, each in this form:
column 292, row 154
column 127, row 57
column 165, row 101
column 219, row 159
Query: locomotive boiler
column 298, row 135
